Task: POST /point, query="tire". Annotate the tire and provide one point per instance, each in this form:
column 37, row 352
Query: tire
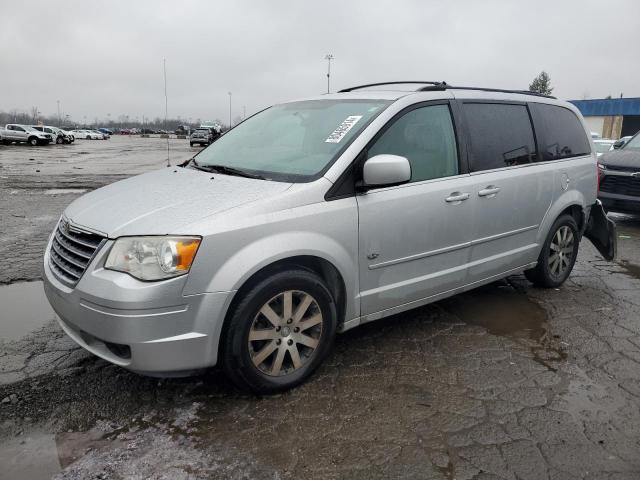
column 554, row 266
column 33, row 141
column 304, row 338
column 191, row 144
column 59, row 140
column 88, row 137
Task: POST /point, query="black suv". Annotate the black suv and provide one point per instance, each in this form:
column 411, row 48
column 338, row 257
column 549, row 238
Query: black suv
column 619, row 174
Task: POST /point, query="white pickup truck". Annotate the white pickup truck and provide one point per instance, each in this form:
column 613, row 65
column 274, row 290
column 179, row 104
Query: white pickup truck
column 24, row 134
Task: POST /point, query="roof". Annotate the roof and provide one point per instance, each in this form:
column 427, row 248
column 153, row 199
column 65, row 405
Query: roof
column 606, row 107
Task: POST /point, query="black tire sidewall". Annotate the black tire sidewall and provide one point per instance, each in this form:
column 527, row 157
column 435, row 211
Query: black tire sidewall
column 236, row 357
column 550, row 279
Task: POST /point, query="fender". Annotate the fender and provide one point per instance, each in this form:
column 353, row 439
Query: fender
column 239, row 267
column 567, row 199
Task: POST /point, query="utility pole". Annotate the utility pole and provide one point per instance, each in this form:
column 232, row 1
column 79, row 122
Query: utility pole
column 166, row 107
column 229, row 110
column 328, row 57
column 59, row 120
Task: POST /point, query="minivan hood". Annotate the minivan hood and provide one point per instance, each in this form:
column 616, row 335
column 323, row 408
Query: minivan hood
column 164, row 201
column 621, row 158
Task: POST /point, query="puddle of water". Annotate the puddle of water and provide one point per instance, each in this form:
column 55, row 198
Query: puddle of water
column 632, row 269
column 29, row 457
column 41, row 455
column 502, row 310
column 64, row 191
column 23, row 309
column 506, row 312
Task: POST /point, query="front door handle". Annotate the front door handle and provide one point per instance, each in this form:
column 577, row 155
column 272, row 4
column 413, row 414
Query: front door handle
column 489, row 191
column 456, row 197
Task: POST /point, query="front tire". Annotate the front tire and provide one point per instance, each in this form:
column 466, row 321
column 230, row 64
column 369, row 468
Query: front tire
column 33, row 141
column 279, row 332
column 558, row 255
column 59, row 140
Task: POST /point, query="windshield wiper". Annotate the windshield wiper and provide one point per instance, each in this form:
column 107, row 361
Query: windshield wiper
column 226, row 170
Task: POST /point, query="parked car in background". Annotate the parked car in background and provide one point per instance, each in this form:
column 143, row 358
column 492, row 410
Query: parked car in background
column 87, row 134
column 316, row 216
column 621, row 142
column 125, row 131
column 203, row 136
column 59, row 136
column 619, row 172
column 70, row 135
column 595, row 135
column 106, row 131
column 25, row 134
column 102, row 135
column 603, row 145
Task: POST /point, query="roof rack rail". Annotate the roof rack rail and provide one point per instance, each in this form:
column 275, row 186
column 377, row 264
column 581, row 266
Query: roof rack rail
column 482, row 89
column 419, row 82
column 437, row 86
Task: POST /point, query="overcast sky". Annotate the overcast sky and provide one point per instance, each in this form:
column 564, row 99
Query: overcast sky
column 102, row 58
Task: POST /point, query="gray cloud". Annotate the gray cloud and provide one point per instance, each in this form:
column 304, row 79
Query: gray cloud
column 99, row 58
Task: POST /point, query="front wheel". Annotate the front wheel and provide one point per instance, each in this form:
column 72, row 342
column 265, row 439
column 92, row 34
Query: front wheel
column 33, row 141
column 558, row 254
column 59, row 140
column 280, row 332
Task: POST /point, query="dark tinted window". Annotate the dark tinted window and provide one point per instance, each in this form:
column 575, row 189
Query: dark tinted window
column 561, row 133
column 426, row 138
column 500, row 135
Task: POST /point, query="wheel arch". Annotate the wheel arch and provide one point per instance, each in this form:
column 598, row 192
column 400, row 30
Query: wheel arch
column 571, row 202
column 322, row 267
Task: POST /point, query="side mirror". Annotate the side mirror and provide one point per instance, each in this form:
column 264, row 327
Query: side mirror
column 618, row 144
column 385, row 171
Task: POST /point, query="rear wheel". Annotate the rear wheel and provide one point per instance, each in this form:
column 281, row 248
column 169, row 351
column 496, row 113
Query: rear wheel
column 558, row 254
column 280, row 332
column 59, row 140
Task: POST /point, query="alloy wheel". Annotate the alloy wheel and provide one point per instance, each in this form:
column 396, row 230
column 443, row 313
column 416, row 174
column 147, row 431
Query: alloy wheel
column 285, row 333
column 561, row 251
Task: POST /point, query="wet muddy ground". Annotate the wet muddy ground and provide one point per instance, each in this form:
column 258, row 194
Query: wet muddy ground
column 503, row 382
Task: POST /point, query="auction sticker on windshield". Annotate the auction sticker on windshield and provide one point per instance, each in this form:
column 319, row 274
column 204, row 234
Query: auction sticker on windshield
column 339, row 133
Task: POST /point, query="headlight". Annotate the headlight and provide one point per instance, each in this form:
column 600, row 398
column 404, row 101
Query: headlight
column 153, row 258
column 601, row 166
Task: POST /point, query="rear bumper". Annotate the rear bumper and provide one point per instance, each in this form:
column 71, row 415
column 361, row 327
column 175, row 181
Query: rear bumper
column 146, row 327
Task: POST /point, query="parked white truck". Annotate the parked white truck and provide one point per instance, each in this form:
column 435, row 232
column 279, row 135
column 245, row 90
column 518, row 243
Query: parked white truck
column 24, row 134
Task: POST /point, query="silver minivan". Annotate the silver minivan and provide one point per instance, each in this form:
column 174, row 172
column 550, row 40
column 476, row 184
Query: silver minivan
column 315, row 216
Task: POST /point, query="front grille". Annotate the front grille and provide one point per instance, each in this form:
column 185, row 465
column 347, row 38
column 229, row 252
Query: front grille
column 621, row 185
column 623, row 169
column 71, row 252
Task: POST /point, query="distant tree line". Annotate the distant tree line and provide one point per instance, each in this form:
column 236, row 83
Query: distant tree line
column 33, row 117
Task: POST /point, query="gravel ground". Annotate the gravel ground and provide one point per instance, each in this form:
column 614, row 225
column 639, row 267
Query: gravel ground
column 504, row 382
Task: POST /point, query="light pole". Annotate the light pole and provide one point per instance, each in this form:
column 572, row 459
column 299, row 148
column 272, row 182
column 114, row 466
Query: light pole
column 59, row 120
column 328, row 57
column 229, row 110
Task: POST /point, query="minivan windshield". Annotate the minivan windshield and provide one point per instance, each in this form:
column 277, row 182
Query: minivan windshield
column 294, row 141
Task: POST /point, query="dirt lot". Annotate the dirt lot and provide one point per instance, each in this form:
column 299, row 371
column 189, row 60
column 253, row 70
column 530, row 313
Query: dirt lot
column 505, row 382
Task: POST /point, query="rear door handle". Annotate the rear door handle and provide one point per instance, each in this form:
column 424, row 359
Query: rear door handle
column 457, row 197
column 489, row 191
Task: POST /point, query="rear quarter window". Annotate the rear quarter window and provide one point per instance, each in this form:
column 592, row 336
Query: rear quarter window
column 500, row 135
column 560, row 132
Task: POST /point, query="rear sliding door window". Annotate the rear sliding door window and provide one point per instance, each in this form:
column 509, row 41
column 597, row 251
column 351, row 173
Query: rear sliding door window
column 561, row 133
column 500, row 135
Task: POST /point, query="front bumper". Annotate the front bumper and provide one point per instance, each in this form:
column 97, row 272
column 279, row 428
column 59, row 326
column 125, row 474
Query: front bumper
column 616, row 202
column 148, row 327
